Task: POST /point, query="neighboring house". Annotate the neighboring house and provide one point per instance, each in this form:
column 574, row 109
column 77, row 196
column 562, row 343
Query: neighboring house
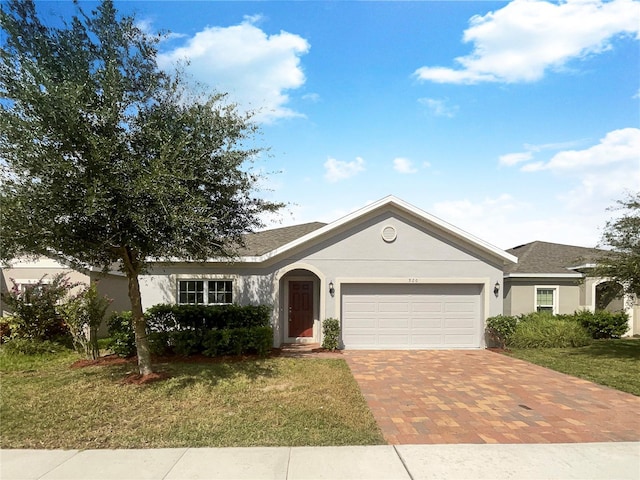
column 29, row 271
column 395, row 276
column 555, row 278
column 25, row 271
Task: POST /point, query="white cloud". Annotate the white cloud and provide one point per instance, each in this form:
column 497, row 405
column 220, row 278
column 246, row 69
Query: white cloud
column 403, row 165
column 439, row 107
column 618, row 146
column 256, row 69
column 336, row 170
column 598, row 175
column 591, row 180
column 506, row 221
column 311, row 97
column 521, row 41
column 511, row 159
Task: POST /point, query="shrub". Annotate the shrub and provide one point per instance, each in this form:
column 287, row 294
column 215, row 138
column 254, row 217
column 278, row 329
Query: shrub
column 160, row 343
column 603, row 324
column 35, row 309
column 31, row 346
column 545, row 331
column 203, row 317
column 83, row 315
column 5, row 329
column 500, row 328
column 123, row 341
column 193, row 329
column 186, row 342
column 238, row 341
column 331, row 334
column 261, row 340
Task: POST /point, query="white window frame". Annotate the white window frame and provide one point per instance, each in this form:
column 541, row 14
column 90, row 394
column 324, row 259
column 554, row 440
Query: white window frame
column 205, row 292
column 556, row 297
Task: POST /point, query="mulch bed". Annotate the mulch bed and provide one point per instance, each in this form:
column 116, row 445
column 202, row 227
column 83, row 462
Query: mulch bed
column 137, row 379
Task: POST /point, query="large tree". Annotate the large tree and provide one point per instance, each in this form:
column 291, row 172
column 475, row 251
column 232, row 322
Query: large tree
column 621, row 235
column 108, row 161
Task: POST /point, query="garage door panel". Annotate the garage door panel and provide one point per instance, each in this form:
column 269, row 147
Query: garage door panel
column 426, row 339
column 459, row 323
column 391, row 322
column 454, row 340
column 423, row 307
column 411, row 316
column 395, row 339
column 417, row 323
column 386, row 305
column 363, row 340
column 361, row 306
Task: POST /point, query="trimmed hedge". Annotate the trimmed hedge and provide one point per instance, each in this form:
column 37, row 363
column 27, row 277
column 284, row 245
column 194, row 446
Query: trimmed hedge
column 603, row 324
column 164, row 318
column 197, row 329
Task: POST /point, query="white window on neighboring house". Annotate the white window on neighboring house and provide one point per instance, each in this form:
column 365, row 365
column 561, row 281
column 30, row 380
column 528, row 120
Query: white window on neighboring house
column 547, row 299
column 205, row 292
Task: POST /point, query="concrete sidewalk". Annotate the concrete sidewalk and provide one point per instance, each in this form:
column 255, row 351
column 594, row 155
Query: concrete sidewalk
column 411, row 462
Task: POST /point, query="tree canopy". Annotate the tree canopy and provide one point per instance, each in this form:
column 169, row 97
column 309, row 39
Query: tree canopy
column 622, row 235
column 107, row 160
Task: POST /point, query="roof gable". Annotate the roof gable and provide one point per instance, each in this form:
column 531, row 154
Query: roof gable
column 380, row 205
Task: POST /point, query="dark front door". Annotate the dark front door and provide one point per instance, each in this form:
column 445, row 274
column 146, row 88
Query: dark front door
column 300, row 309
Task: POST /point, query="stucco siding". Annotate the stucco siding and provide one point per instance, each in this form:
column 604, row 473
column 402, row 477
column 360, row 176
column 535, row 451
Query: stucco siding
column 522, row 295
column 30, row 271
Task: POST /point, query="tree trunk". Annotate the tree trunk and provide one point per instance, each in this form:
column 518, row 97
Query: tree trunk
column 139, row 322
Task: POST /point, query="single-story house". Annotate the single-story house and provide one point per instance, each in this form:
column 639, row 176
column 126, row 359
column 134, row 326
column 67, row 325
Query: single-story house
column 555, row 278
column 395, row 276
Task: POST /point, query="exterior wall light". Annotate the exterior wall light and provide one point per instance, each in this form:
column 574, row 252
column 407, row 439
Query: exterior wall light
column 332, row 290
column 496, row 289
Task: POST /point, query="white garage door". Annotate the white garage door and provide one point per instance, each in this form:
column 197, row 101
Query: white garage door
column 414, row 316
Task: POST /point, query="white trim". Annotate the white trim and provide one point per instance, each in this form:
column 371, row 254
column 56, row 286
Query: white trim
column 543, row 275
column 586, row 265
column 556, row 297
column 184, row 277
column 387, row 201
column 31, row 281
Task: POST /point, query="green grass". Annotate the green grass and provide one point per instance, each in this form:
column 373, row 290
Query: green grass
column 271, row 402
column 614, row 363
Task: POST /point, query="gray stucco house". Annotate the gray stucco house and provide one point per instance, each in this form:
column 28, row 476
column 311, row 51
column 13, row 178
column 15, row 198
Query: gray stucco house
column 555, row 278
column 395, row 276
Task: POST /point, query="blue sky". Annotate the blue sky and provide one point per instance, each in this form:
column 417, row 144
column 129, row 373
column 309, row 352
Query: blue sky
column 515, row 121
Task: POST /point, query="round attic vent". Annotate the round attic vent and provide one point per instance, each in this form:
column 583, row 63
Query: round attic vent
column 389, row 234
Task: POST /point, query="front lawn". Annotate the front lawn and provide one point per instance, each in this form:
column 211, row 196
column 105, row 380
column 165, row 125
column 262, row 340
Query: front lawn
column 271, row 402
column 614, row 363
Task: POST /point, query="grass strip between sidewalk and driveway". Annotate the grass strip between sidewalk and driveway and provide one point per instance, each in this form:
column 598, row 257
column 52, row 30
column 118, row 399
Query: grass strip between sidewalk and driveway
column 613, row 363
column 256, row 402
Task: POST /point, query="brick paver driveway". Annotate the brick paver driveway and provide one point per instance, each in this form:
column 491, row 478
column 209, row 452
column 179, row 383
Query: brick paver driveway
column 478, row 396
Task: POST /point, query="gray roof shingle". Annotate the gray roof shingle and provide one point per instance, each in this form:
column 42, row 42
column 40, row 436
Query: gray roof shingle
column 259, row 243
column 545, row 257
